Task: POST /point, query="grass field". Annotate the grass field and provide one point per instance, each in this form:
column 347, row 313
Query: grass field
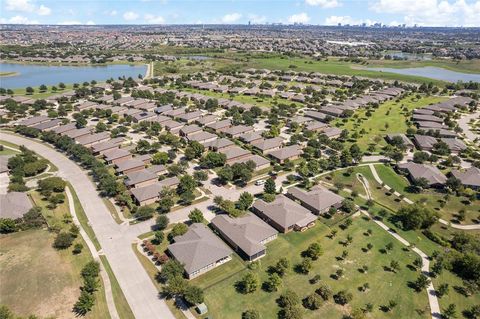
column 465, row 66
column 225, row 302
column 30, row 254
column 387, row 118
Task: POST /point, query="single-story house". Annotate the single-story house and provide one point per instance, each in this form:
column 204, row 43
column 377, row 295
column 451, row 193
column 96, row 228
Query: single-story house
column 129, row 166
column 247, row 234
column 91, row 139
column 14, row 205
column 290, row 153
column 318, row 199
column 218, row 126
column 202, row 137
column 116, row 155
column 111, row 144
column 284, row 214
column 267, row 145
column 237, row 130
column 469, row 177
column 34, row 120
column 260, row 162
column 424, row 142
column 234, row 153
column 405, row 140
column 219, row 144
column 199, row 250
column 432, row 174
column 454, row 144
column 150, row 194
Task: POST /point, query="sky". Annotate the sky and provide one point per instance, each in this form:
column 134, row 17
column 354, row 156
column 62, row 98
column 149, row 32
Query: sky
column 317, row 12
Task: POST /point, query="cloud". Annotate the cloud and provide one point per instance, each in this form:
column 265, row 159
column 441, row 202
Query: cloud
column 335, row 20
column 43, row 10
column 323, row 3
column 432, row 12
column 26, row 6
column 298, row 18
column 257, row 19
column 113, row 13
column 151, row 19
column 18, row 20
column 90, row 22
column 130, row 16
column 70, row 22
column 231, row 17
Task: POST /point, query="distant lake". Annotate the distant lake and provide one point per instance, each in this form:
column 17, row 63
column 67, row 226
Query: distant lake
column 409, row 56
column 433, row 73
column 36, row 75
column 198, row 57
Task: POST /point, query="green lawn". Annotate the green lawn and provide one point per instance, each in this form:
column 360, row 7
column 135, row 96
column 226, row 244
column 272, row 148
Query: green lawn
column 224, row 301
column 43, row 290
column 387, row 118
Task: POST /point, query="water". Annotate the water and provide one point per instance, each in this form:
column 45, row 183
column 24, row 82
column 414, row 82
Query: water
column 198, row 57
column 433, row 73
column 36, row 75
column 410, row 56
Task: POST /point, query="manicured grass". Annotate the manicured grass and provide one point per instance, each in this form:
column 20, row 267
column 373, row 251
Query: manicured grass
column 224, row 301
column 43, row 290
column 56, row 218
column 386, row 119
column 465, row 66
column 83, row 219
column 113, row 211
column 121, row 303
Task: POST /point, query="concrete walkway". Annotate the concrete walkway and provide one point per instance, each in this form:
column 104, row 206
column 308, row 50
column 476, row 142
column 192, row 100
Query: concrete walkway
column 106, row 280
column 432, row 296
column 115, row 240
column 463, row 123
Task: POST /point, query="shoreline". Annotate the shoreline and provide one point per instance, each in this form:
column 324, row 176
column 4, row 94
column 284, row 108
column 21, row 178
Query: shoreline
column 8, row 74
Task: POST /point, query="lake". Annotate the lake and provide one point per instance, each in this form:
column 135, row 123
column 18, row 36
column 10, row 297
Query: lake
column 36, row 75
column 433, row 73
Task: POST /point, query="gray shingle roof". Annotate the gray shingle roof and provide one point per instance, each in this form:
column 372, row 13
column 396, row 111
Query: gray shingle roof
column 14, row 205
column 429, row 172
column 318, row 197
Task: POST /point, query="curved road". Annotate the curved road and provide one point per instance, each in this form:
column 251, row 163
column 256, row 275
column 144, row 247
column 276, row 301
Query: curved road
column 115, row 239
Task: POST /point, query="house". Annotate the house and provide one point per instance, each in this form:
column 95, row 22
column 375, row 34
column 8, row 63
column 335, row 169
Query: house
column 150, row 194
column 425, row 125
column 64, row 128
column 316, row 115
column 218, row 126
column 140, row 178
column 247, row 234
column 87, row 105
column 430, row 173
column 318, row 199
column 260, row 162
column 78, row 132
column 190, row 130
column 116, row 155
column 425, row 117
column 331, row 132
column 34, row 120
column 454, row 144
column 143, row 116
column 219, row 144
column 233, row 153
column 251, row 137
column 424, row 142
column 4, row 163
column 316, row 126
column 111, row 144
column 46, row 126
column 199, row 250
column 237, row 130
column 190, row 116
column 202, row 137
column 206, row 120
column 14, row 205
column 91, row 139
column 284, row 214
column 129, row 166
column 172, row 126
column 267, row 145
column 405, row 140
column 290, row 153
column 299, row 119
column 469, row 177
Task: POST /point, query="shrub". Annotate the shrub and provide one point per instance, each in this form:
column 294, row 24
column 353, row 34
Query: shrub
column 63, row 240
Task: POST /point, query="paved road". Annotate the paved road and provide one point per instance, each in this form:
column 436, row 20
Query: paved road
column 115, row 239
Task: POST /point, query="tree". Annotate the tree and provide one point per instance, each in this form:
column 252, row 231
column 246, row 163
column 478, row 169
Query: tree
column 269, row 186
column 273, row 282
column 100, row 127
column 160, row 158
column 251, row 314
column 442, row 290
column 187, row 184
column 389, row 246
column 193, row 295
column 194, row 150
column 281, row 267
column 288, row 299
column 244, row 201
column 162, row 222
column 291, row 313
column 421, row 283
column 158, row 237
column 305, row 266
column 7, row 225
column 314, row 251
column 416, row 217
column 248, row 284
column 313, row 302
column 177, row 285
column 63, row 240
column 84, row 304
column 213, row 159
column 394, row 266
column 172, row 268
column 196, row 216
column 450, row 312
column 200, row 176
column 343, row 297
column 324, row 291
column 348, row 206
column 77, row 249
column 29, row 90
column 51, row 184
column 178, row 230
column 144, row 213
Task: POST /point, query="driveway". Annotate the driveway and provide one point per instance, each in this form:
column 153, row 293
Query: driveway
column 116, row 240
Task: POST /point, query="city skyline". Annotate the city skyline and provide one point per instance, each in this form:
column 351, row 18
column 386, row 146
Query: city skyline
column 315, row 12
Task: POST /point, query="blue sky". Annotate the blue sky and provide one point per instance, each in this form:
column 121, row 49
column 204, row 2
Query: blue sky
column 321, row 12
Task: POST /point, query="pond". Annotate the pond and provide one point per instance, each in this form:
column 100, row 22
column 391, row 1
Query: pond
column 409, row 56
column 433, row 73
column 36, row 75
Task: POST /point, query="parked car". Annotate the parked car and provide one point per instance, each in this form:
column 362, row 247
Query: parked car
column 260, row 182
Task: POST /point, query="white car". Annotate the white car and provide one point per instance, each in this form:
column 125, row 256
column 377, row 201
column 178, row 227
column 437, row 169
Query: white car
column 260, row 182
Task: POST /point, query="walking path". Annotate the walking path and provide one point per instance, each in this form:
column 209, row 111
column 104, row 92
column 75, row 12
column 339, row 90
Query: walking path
column 457, row 226
column 115, row 240
column 106, row 280
column 463, row 123
column 432, row 296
